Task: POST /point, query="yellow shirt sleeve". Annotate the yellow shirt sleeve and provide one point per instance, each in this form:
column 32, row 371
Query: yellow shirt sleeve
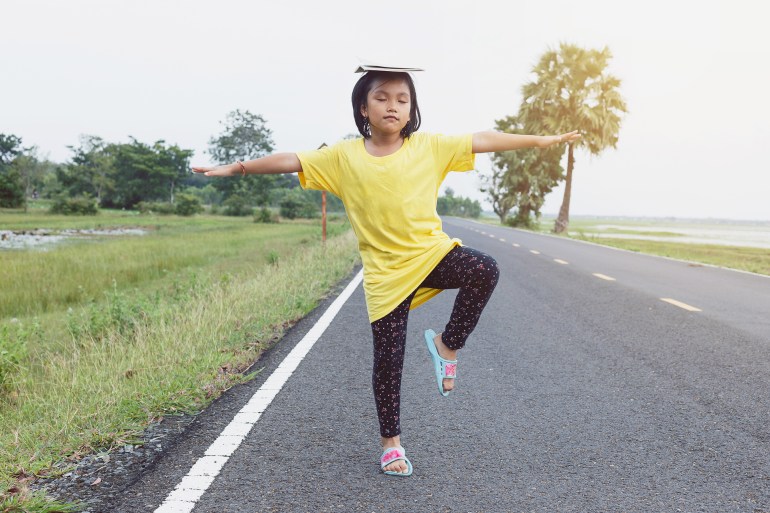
column 320, row 169
column 453, row 153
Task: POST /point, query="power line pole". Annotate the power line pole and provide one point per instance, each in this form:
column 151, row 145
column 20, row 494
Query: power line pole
column 323, row 208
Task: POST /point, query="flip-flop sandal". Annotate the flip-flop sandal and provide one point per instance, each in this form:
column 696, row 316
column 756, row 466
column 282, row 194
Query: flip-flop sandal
column 444, row 369
column 395, row 454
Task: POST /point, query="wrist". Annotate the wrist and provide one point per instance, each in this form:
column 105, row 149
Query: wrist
column 236, row 169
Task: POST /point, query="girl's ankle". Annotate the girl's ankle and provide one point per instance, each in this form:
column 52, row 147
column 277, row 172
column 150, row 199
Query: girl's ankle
column 387, row 443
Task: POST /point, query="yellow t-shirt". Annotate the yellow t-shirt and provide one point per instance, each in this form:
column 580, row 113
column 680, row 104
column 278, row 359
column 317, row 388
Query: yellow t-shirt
column 391, row 204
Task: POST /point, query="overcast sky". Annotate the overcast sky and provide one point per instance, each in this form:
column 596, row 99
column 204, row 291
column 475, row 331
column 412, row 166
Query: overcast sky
column 695, row 76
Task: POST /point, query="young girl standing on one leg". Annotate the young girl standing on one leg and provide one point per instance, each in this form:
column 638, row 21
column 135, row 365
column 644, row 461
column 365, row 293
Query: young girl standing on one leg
column 388, row 181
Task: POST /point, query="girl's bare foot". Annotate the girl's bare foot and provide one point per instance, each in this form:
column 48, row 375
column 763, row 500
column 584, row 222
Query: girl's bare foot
column 396, row 466
column 447, row 354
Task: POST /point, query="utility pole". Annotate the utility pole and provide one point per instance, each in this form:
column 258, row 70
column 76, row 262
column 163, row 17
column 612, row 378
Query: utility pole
column 323, row 208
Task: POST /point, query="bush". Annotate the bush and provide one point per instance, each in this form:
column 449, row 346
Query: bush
column 75, row 206
column 208, row 195
column 237, row 205
column 309, row 210
column 295, row 204
column 160, row 208
column 188, row 205
column 11, row 190
column 519, row 221
column 264, row 215
column 451, row 205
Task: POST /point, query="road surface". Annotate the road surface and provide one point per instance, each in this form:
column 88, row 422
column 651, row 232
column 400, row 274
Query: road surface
column 597, row 380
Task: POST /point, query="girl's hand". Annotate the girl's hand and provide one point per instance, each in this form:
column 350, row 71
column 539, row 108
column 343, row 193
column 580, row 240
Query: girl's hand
column 550, row 140
column 227, row 170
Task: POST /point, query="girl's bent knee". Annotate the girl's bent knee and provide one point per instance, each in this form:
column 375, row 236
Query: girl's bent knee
column 491, row 272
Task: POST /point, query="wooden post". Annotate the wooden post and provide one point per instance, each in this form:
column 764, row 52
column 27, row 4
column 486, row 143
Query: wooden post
column 323, row 215
column 323, row 208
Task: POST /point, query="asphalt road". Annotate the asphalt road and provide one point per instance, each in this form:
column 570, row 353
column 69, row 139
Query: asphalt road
column 581, row 390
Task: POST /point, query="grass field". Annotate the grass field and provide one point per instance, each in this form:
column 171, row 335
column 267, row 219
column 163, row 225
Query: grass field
column 755, row 260
column 734, row 244
column 97, row 339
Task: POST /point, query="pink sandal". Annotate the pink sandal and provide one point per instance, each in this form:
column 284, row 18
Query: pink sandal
column 395, row 454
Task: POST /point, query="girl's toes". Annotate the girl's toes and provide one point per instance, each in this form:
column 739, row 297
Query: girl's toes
column 394, row 467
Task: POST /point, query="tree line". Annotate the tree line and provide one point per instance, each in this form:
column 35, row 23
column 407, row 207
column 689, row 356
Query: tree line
column 154, row 177
column 571, row 90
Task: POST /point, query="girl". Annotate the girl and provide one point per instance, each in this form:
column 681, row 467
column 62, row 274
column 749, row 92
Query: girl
column 388, row 181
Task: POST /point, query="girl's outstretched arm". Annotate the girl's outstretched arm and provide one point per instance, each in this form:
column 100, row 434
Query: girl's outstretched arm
column 486, row 142
column 271, row 164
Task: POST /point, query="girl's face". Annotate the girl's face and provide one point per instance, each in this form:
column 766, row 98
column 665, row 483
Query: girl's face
column 388, row 104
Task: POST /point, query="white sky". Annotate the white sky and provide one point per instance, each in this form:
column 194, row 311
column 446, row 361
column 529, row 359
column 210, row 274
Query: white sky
column 695, row 76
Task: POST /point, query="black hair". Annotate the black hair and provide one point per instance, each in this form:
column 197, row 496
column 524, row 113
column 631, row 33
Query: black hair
column 361, row 90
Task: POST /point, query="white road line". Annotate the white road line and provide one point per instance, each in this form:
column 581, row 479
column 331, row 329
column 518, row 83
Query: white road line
column 192, row 487
column 483, row 233
column 516, row 245
column 502, row 240
column 685, row 306
column 491, row 235
column 534, row 251
column 604, row 277
column 560, row 261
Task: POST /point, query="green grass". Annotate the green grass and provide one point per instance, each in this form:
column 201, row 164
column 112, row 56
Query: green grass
column 39, row 218
column 112, row 335
column 24, row 502
column 756, row 260
column 36, row 282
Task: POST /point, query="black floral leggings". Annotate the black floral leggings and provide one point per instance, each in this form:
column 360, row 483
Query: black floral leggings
column 475, row 274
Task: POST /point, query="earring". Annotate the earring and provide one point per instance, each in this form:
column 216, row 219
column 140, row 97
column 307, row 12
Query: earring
column 367, row 127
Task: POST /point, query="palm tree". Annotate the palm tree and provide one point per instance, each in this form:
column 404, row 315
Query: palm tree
column 571, row 91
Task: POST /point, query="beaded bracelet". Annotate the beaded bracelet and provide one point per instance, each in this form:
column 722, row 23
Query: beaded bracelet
column 243, row 168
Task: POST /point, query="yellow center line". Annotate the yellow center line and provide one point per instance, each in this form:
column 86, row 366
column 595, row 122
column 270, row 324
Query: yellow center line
column 560, row 261
column 685, row 306
column 534, row 251
column 604, row 277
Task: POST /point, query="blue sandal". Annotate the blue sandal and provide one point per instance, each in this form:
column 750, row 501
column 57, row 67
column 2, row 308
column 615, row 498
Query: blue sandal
column 395, row 454
column 444, row 369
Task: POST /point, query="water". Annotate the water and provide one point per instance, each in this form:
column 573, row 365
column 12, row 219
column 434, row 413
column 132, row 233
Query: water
column 44, row 239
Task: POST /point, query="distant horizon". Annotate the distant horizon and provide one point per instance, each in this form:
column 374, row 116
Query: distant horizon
column 553, row 215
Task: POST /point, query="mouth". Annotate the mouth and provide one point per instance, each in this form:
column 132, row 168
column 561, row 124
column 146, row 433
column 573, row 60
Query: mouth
column 394, row 118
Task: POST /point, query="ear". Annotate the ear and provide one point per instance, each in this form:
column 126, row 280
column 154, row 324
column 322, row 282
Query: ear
column 364, row 111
